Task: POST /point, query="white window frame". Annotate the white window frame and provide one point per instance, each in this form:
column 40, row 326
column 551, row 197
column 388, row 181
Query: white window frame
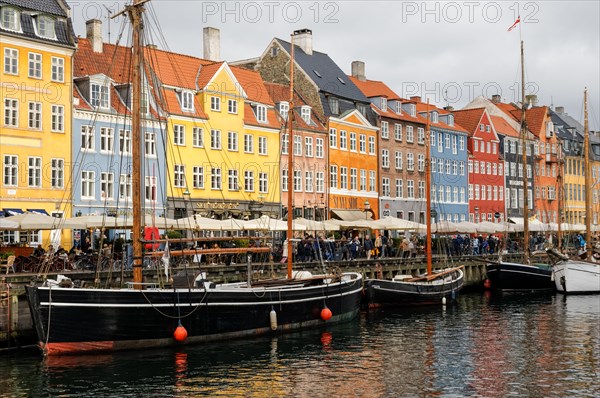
column 198, row 177
column 107, row 186
column 34, row 115
column 11, row 112
column 57, row 173
column 198, row 137
column 124, row 142
column 107, row 139
column 34, row 172
column 215, row 104
column 58, row 119
column 179, row 135
column 34, row 65
column 248, row 143
column 233, row 180
column 187, row 101
column 58, row 69
column 11, row 61
column 232, row 141
column 261, row 113
column 88, row 142
column 319, row 148
column 263, row 148
column 88, row 185
column 179, row 176
column 215, row 138
column 150, row 144
column 263, row 182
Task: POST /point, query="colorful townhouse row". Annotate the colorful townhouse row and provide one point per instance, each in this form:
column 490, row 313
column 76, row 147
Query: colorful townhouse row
column 359, row 149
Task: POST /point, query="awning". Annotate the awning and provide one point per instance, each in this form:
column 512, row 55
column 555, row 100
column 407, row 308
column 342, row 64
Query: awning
column 39, row 211
column 351, row 215
column 12, row 212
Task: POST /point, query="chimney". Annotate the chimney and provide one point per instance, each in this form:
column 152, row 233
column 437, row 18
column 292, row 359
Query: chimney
column 303, row 39
column 212, row 44
column 496, row 99
column 449, row 108
column 93, row 32
column 531, row 99
column 358, row 70
column 559, row 110
column 415, row 98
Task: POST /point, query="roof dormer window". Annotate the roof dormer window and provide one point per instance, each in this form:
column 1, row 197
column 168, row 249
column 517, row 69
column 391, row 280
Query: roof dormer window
column 398, row 107
column 305, row 113
column 99, row 95
column 45, row 26
column 284, row 108
column 334, row 105
column 384, row 104
column 187, row 101
column 11, row 18
column 434, row 117
column 450, row 120
column 413, row 110
column 261, row 113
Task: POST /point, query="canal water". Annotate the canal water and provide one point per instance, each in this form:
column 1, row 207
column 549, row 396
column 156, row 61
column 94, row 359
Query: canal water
column 484, row 346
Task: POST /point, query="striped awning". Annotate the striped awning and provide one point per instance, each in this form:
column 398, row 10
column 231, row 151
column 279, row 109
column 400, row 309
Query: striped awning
column 12, row 212
column 39, row 211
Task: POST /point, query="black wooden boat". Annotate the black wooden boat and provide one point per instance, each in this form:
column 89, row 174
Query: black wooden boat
column 506, row 276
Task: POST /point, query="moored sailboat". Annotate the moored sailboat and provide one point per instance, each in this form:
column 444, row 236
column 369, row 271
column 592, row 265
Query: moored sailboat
column 573, row 276
column 72, row 320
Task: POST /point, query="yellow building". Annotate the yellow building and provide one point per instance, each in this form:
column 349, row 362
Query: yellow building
column 37, row 46
column 223, row 139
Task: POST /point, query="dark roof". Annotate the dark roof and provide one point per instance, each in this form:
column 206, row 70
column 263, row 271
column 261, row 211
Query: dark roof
column 330, row 74
column 48, row 6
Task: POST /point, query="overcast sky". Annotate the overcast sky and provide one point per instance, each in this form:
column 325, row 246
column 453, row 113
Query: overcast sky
column 449, row 52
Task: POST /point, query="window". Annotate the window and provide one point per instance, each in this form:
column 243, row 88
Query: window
column 385, row 130
column 35, row 115
column 399, row 188
column 150, row 189
column 421, row 162
column 333, row 177
column 58, row 69
column 477, row 191
column 421, row 189
column 455, row 194
column 99, row 95
column 410, row 135
column 308, row 146
column 233, row 180
column 263, row 183
column 297, row 181
column 284, row 180
column 11, row 61
column 447, row 140
column 284, row 143
column 232, row 141
column 215, row 104
column 420, row 135
column 334, row 105
column 343, row 140
column 470, row 191
column 261, row 113
column 385, row 158
column 11, row 112
column 107, row 137
column 385, row 186
column 179, row 176
column 87, row 138
column 410, row 161
column 461, row 143
column 107, row 185
column 125, row 186
column 384, row 104
column 232, row 106
column 11, row 18
column 198, row 137
column 198, row 177
column 398, row 160
column 179, row 135
column 319, row 149
column 88, row 184
column 454, row 167
column 150, row 144
column 372, row 180
column 45, row 26
column 320, row 181
column 448, row 167
column 410, row 189
column 441, row 194
column 332, row 138
column 398, row 132
column 58, row 118
column 284, row 108
column 363, row 180
column 343, row 177
column 440, row 142
column 371, row 145
column 215, row 178
column 454, row 144
column 35, row 65
column 440, row 165
column 215, row 139
column 433, row 163
column 308, row 181
column 362, row 143
column 297, row 145
column 353, row 178
column 249, row 181
column 34, row 172
column 353, row 142
column 262, row 145
column 57, row 173
column 434, row 117
column 187, row 101
column 476, row 164
column 125, row 142
column 305, row 114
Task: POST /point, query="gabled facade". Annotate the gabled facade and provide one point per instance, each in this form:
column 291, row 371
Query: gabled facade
column 102, row 137
column 37, row 45
column 310, row 156
column 485, row 166
column 401, row 150
column 322, row 85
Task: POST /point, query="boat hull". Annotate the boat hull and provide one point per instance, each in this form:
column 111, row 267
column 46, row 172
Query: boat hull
column 71, row 321
column 519, row 277
column 388, row 293
column 576, row 277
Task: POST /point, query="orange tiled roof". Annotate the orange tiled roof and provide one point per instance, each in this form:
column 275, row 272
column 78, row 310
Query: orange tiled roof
column 535, row 119
column 422, row 107
column 374, row 88
column 253, row 85
column 83, row 104
column 469, row 118
column 502, row 127
column 114, row 61
column 171, row 105
column 175, row 69
column 273, row 120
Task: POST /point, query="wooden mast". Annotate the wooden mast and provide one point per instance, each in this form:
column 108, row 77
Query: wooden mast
column 588, row 179
column 524, row 161
column 428, row 193
column 290, row 202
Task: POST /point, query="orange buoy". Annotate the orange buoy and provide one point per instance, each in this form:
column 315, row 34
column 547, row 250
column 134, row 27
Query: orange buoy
column 180, row 333
column 325, row 314
column 487, row 284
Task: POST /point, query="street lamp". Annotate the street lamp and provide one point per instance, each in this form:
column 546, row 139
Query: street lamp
column 476, row 214
column 367, row 208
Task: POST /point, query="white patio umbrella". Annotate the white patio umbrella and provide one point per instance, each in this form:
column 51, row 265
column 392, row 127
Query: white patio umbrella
column 572, row 227
column 272, row 224
column 232, row 224
column 466, row 227
column 552, row 226
column 93, row 221
column 6, row 224
column 148, row 221
column 393, row 223
column 506, row 226
column 444, row 227
column 35, row 221
column 198, row 222
column 313, row 225
column 364, row 224
column 488, row 227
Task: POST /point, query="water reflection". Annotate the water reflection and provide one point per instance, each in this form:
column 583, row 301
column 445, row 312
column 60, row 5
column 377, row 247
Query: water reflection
column 494, row 346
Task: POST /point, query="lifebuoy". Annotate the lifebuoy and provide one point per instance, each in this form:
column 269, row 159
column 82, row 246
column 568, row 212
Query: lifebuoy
column 151, row 233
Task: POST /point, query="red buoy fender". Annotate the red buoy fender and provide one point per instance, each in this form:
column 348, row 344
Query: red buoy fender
column 180, row 333
column 326, row 314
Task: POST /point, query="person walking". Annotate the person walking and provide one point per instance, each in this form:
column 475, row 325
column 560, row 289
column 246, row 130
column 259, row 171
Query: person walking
column 378, row 247
column 368, row 246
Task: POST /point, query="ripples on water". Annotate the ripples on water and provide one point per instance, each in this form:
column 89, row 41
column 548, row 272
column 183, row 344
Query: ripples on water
column 543, row 346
